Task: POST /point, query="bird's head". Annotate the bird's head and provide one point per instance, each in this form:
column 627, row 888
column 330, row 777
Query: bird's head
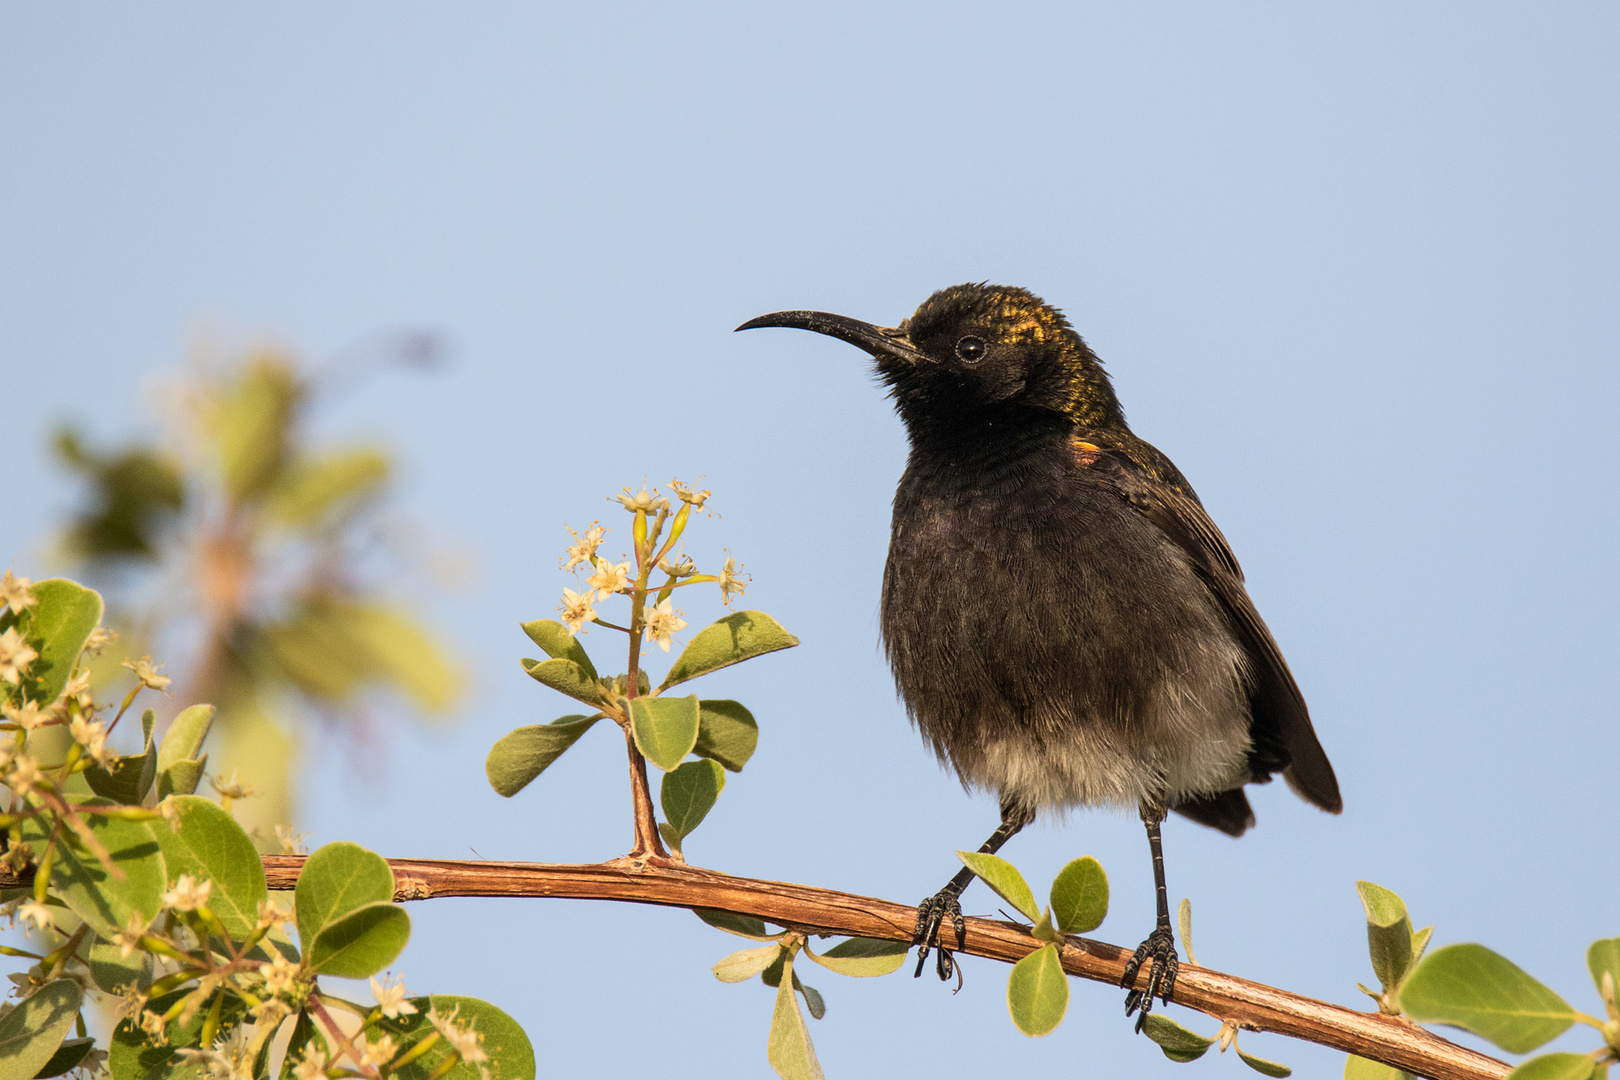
column 972, row 354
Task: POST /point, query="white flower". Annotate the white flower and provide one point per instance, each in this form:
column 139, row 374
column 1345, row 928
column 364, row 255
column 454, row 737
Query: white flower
column 639, row 501
column 188, row 893
column 99, row 639
column 25, row 775
column 36, row 913
column 78, row 689
column 14, row 593
column 152, row 1023
column 609, row 578
column 232, row 788
column 391, row 999
column 465, row 1041
column 379, row 1052
column 280, row 975
column 147, row 673
column 583, row 550
column 687, row 495
column 27, row 716
column 91, row 735
column 129, row 938
column 577, row 609
column 15, row 656
column 731, row 580
column 662, row 621
column 312, row 1066
column 270, row 914
column 292, row 843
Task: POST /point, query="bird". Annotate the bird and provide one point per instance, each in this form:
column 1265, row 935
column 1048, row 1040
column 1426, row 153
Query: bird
column 1066, row 625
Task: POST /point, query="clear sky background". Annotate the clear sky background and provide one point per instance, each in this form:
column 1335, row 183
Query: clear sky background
column 1353, row 267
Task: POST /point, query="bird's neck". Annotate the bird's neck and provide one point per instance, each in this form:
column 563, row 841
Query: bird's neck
column 987, row 444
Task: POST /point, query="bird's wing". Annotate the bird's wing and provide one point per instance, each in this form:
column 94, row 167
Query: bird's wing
column 1281, row 726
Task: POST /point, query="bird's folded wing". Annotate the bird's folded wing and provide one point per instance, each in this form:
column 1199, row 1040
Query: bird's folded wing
column 1284, row 738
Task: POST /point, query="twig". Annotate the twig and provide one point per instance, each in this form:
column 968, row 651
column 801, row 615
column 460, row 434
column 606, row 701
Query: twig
column 1252, row 1006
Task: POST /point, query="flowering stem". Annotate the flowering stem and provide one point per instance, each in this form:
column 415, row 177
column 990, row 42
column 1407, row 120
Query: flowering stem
column 129, row 699
column 647, row 843
column 427, row 1043
column 319, row 1009
column 57, row 960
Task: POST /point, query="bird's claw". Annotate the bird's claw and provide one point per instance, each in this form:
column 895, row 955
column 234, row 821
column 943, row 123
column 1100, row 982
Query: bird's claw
column 1160, row 950
column 930, row 914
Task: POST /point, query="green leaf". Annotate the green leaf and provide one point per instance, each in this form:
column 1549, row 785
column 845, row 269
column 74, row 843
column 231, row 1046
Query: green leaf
column 862, row 957
column 728, row 641
column 1004, row 878
column 559, row 644
column 1604, row 956
column 565, row 677
column 130, row 1056
column 396, row 651
column 313, row 488
column 185, row 737
column 31, row 1033
column 520, row 756
column 1389, row 934
column 251, row 418
column 1038, row 992
column 336, row 880
column 67, row 1056
column 1264, row 1067
column 511, row 1055
column 689, row 792
column 57, row 627
column 789, row 1049
column 1471, row 987
column 1360, row 1068
column 182, row 777
column 333, row 650
column 665, row 729
column 1080, row 896
column 1555, row 1067
column 1420, row 942
column 746, row 963
column 362, row 942
column 111, row 971
column 726, row 733
column 812, row 998
column 1044, row 929
column 1177, row 1042
column 129, row 778
column 304, row 1035
column 742, row 925
column 83, row 884
column 207, row 843
column 672, row 839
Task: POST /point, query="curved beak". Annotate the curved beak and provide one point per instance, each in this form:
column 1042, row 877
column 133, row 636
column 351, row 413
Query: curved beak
column 877, row 340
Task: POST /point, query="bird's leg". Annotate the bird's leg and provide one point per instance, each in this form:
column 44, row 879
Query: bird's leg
column 947, row 902
column 1160, row 947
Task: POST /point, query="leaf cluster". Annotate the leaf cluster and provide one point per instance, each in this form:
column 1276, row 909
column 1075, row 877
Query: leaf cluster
column 147, row 893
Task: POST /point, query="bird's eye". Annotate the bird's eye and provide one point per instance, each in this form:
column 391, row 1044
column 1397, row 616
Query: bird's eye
column 970, row 350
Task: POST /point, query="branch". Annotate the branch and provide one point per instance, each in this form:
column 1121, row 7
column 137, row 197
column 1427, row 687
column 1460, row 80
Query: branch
column 1253, row 1006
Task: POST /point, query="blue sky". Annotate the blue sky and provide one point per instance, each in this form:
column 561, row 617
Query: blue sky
column 1352, row 267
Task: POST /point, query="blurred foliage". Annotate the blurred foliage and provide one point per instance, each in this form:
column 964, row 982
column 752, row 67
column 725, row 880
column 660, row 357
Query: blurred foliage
column 246, row 537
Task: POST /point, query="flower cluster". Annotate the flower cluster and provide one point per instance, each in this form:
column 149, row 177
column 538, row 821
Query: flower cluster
column 653, row 614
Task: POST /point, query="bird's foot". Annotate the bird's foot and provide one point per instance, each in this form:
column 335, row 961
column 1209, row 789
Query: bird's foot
column 931, row 913
column 1159, row 950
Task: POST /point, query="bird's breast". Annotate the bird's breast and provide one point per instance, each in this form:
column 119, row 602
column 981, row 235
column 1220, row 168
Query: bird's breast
column 1049, row 642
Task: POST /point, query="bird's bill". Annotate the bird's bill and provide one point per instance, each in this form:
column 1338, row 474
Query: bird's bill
column 877, row 340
